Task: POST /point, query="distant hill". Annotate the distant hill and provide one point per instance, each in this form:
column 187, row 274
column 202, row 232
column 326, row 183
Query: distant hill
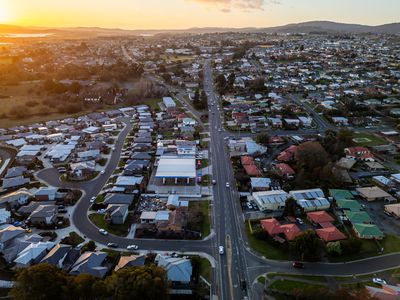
column 305, row 27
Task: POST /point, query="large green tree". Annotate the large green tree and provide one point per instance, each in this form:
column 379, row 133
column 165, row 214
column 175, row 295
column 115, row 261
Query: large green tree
column 307, row 246
column 41, row 282
column 145, row 283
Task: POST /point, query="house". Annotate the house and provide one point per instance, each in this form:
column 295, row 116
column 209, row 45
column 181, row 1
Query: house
column 15, row 172
column 288, row 155
column 117, row 213
column 57, row 255
column 5, row 216
column 89, row 155
column 125, row 199
column 92, row 263
column 130, row 261
column 17, row 198
column 260, row 184
column 368, row 231
column 313, row 205
column 14, row 182
column 374, row 193
column 33, row 254
column 270, row 200
column 271, row 226
column 130, row 183
column 9, row 233
column 179, row 270
column 319, row 217
column 309, row 194
column 330, row 234
column 359, row 153
column 46, row 194
column 284, row 170
column 44, row 215
column 291, row 231
column 393, row 209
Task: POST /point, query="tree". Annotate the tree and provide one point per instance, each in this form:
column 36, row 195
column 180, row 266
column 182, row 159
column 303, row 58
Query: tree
column 257, row 85
column 351, row 246
column 334, row 248
column 220, row 83
column 307, row 246
column 42, row 281
column 262, row 139
column 147, row 283
column 86, row 286
column 89, row 246
column 290, row 207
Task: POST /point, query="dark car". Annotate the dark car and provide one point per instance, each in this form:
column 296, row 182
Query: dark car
column 298, row 265
column 112, row 245
column 243, row 285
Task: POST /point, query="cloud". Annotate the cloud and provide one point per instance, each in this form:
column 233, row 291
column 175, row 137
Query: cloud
column 244, row 5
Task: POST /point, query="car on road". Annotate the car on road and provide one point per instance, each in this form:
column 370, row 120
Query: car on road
column 93, row 199
column 112, row 245
column 214, row 182
column 297, row 265
column 227, row 184
column 113, row 148
column 378, row 280
column 243, row 285
column 132, row 247
column 103, row 172
column 221, row 250
column 103, row 231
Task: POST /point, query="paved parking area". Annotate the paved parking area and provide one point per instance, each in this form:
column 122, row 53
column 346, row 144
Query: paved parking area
column 387, row 224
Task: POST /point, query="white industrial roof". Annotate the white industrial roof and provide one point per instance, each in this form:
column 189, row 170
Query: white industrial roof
column 277, row 196
column 173, row 167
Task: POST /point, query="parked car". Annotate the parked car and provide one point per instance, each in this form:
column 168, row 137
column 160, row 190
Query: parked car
column 378, row 280
column 132, row 247
column 298, row 265
column 300, row 221
column 112, row 245
column 249, row 206
column 103, row 231
column 93, row 199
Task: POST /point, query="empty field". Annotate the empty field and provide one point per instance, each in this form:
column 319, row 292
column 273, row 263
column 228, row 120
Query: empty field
column 366, row 139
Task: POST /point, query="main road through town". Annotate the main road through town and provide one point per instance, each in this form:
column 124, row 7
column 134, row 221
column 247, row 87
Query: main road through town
column 238, row 263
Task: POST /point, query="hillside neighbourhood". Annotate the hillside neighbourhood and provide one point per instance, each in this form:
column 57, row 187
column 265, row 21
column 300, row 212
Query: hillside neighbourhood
column 245, row 164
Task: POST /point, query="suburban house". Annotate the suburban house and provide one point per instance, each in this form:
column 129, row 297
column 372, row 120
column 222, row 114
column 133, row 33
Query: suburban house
column 91, row 263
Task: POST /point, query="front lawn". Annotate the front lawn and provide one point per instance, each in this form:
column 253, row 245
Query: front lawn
column 121, row 230
column 264, row 248
column 199, row 212
column 205, row 268
column 289, row 286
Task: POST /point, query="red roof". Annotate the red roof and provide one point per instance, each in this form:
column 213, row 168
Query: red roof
column 247, row 160
column 330, row 234
column 272, row 226
column 290, row 231
column 288, row 154
column 319, row 217
column 326, row 224
column 252, row 170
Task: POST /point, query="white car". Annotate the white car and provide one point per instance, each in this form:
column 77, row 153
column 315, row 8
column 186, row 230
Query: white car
column 103, row 172
column 300, row 221
column 227, row 184
column 378, row 280
column 93, row 199
column 103, row 231
column 221, row 250
column 132, row 247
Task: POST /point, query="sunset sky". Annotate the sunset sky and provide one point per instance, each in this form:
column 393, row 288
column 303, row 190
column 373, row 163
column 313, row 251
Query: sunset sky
column 172, row 14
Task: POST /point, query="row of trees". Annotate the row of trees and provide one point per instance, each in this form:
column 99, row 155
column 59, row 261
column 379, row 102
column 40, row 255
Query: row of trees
column 46, row 282
column 200, row 100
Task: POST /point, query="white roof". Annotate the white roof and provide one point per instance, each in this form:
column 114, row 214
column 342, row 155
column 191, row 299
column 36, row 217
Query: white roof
column 277, row 196
column 173, row 167
column 307, row 194
column 148, row 215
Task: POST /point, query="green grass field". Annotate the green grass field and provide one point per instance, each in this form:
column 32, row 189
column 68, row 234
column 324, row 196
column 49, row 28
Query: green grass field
column 368, row 140
column 121, row 230
column 289, row 286
column 200, row 225
column 265, row 248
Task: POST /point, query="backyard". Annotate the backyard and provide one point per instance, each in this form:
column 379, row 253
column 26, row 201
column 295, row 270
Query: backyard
column 117, row 229
column 367, row 140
